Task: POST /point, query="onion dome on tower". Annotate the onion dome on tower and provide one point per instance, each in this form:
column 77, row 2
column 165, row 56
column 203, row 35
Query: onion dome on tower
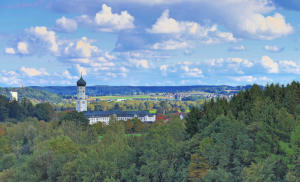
column 81, row 82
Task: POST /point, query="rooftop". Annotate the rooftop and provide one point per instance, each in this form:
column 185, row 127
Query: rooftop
column 118, row 113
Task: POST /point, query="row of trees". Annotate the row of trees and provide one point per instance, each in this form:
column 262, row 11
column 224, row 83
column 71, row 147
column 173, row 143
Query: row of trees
column 18, row 111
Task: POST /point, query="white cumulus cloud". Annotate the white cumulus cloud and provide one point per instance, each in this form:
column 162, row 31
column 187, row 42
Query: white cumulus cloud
column 67, row 74
column 170, row 45
column 188, row 29
column 81, row 48
column 238, row 48
column 240, row 61
column 66, row 24
column 47, row 36
column 290, row 66
column 195, row 72
column 140, row 63
column 269, row 27
column 269, row 64
column 163, row 68
column 32, row 72
column 23, row 47
column 271, row 48
column 251, row 79
column 10, row 77
column 81, row 70
column 191, row 72
column 105, row 20
column 10, row 50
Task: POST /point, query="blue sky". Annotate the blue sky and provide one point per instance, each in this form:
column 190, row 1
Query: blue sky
column 142, row 42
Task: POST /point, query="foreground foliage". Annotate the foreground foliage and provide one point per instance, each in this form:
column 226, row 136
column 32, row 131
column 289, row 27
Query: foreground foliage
column 253, row 137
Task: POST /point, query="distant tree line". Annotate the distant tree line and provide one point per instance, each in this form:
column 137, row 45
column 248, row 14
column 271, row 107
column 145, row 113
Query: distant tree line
column 101, row 90
column 18, row 111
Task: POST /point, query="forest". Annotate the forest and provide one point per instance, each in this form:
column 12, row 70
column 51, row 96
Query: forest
column 253, row 137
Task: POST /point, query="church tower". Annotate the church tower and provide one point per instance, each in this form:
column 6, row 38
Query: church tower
column 81, row 103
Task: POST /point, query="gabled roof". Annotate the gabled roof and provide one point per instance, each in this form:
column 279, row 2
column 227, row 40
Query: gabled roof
column 118, row 113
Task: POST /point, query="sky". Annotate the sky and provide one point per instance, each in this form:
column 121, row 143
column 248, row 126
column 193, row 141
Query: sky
column 149, row 43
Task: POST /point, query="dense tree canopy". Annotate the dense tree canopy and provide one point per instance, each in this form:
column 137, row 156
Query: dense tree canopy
column 254, row 137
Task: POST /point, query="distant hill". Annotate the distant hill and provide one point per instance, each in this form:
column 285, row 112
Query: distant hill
column 37, row 95
column 102, row 90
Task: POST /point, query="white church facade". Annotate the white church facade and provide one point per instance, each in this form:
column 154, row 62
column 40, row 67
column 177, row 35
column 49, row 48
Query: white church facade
column 103, row 116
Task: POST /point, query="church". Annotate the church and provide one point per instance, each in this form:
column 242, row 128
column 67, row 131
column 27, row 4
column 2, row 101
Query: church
column 103, row 116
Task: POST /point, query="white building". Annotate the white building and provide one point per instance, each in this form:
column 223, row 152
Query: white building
column 81, row 102
column 103, row 116
column 14, row 96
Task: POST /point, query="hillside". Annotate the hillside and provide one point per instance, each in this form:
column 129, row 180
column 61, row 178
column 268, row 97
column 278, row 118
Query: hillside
column 36, row 95
column 102, row 90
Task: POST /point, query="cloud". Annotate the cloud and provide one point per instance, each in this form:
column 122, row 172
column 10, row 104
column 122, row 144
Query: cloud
column 101, row 63
column 237, row 48
column 195, row 72
column 272, row 48
column 105, row 20
column 23, row 47
column 32, row 72
column 170, row 45
column 67, row 74
column 269, row 64
column 243, row 17
column 81, row 70
column 66, row 25
column 10, row 77
column 10, row 50
column 124, row 70
column 37, row 77
column 235, row 62
column 240, row 61
column 140, row 63
column 81, row 48
column 209, row 34
column 216, row 62
column 166, row 25
column 37, row 40
column 41, row 33
column 267, row 28
column 289, row 66
column 255, row 19
column 190, row 72
column 251, row 79
column 163, row 68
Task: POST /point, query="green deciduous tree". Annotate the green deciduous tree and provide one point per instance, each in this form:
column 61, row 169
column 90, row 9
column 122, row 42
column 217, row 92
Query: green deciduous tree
column 76, row 117
column 44, row 111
